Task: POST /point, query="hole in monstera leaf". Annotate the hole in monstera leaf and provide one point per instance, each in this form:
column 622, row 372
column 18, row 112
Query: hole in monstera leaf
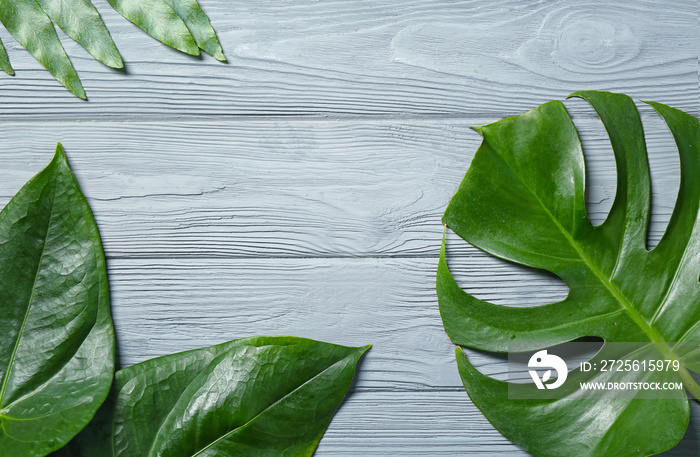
column 601, row 175
column 514, row 367
column 499, row 281
column 665, row 168
column 493, row 364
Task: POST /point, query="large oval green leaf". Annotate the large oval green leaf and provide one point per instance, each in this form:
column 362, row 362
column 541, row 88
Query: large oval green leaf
column 260, row 396
column 523, row 200
column 56, row 336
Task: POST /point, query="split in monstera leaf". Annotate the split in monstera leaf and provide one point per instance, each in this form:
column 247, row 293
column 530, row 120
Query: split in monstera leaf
column 522, row 200
column 180, row 24
column 257, row 396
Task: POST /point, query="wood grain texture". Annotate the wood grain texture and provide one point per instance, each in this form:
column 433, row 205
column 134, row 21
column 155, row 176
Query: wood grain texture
column 298, row 189
column 407, row 398
column 370, row 57
column 292, row 188
column 323, row 229
column 420, row 424
column 159, row 305
column 431, row 423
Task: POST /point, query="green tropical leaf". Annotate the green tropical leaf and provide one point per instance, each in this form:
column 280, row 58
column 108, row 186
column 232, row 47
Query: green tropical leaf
column 522, row 200
column 56, row 336
column 88, row 30
column 199, row 25
column 32, row 28
column 159, row 20
column 180, row 24
column 260, row 396
column 5, row 61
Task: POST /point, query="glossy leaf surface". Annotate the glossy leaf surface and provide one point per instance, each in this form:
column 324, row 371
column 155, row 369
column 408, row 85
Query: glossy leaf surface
column 523, row 200
column 260, row 396
column 56, row 336
column 178, row 23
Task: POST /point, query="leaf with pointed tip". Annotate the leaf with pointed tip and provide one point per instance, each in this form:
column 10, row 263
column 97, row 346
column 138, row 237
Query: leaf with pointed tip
column 178, row 23
column 81, row 21
column 199, row 26
column 160, row 21
column 259, row 396
column 32, row 28
column 56, row 336
column 5, row 61
column 522, row 200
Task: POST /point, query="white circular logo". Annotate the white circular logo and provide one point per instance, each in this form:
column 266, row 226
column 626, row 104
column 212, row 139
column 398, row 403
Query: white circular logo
column 543, row 360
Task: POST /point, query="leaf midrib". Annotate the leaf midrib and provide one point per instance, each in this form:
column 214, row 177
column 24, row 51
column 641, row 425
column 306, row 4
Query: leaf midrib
column 626, row 304
column 10, row 365
column 645, row 326
column 25, row 19
column 624, row 301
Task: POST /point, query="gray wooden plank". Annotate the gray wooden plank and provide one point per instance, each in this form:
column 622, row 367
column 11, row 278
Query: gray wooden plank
column 162, row 306
column 296, row 188
column 407, row 399
column 326, row 229
column 412, row 424
column 432, row 424
column 371, row 57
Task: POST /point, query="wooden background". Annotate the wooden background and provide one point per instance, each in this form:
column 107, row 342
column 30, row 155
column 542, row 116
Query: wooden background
column 298, row 189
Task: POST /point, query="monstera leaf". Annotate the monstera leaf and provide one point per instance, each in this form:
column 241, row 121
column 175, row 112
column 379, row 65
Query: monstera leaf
column 261, row 396
column 523, row 200
column 180, row 24
column 56, row 337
